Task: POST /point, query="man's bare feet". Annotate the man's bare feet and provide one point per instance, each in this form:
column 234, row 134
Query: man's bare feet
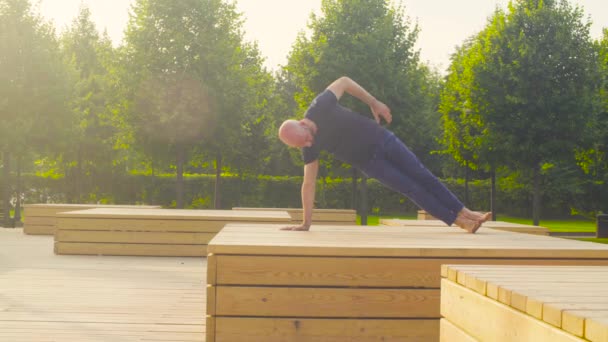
column 474, row 215
column 467, row 224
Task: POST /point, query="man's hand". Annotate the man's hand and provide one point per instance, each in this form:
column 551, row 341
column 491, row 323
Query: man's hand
column 380, row 110
column 302, row 227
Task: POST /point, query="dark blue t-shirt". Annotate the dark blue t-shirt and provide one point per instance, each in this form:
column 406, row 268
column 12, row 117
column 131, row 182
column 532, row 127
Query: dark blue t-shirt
column 349, row 136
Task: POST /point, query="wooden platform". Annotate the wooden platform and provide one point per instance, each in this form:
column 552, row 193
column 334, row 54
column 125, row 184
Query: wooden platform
column 40, row 219
column 353, row 283
column 153, row 232
column 319, row 216
column 500, row 225
column 531, row 303
column 51, row 298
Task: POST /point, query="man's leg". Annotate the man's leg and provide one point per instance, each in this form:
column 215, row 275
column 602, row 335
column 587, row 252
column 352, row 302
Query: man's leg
column 407, row 162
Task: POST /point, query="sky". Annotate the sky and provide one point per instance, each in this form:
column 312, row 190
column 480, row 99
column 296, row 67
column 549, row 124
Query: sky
column 274, row 24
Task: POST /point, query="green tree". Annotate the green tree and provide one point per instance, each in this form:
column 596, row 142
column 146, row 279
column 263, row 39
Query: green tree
column 190, row 70
column 34, row 86
column 91, row 151
column 532, row 86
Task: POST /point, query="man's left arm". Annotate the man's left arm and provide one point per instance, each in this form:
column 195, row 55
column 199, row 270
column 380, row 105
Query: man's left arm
column 345, row 84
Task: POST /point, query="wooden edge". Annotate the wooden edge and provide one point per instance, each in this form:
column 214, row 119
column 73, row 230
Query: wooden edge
column 211, row 269
column 596, row 329
column 210, row 329
column 211, row 300
column 448, row 332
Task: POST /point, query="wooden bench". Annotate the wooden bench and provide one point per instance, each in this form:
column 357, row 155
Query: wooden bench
column 531, row 303
column 151, row 232
column 500, row 225
column 40, row 218
column 319, row 216
column 346, row 283
column 423, row 215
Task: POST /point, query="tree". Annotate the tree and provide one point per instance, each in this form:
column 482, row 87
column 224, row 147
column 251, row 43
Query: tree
column 189, row 53
column 34, row 87
column 532, row 86
column 91, row 151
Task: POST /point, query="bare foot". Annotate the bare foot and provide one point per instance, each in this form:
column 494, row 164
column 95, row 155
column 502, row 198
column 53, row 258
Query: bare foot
column 475, row 215
column 467, row 224
column 297, row 228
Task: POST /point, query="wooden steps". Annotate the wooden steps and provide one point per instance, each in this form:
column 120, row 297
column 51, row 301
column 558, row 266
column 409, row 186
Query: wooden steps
column 265, row 284
column 531, row 303
column 500, row 225
column 40, row 219
column 319, row 216
column 148, row 232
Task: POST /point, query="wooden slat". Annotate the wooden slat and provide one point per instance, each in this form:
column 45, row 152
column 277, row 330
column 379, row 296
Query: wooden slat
column 146, row 225
column 326, row 302
column 180, row 214
column 398, row 242
column 51, row 209
column 80, row 248
column 38, row 230
column 235, row 329
column 351, row 271
column 486, row 320
column 171, row 238
column 448, row 332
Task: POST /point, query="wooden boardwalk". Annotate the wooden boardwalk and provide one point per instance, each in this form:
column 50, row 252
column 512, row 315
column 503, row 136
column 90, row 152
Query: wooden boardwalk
column 46, row 297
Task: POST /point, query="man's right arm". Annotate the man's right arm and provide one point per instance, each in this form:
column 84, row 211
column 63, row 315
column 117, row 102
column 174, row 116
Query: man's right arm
column 308, row 192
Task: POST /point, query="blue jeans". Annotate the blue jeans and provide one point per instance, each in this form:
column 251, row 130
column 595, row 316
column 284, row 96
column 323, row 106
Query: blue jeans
column 395, row 166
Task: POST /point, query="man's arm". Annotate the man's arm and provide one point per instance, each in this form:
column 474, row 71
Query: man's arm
column 345, row 84
column 308, row 195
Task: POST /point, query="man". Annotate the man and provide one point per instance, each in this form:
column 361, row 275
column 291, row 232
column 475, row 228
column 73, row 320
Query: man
column 368, row 146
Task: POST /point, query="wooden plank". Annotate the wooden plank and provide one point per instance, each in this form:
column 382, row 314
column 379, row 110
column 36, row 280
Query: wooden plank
column 349, row 271
column 211, row 332
column 384, row 241
column 573, row 321
column 80, row 248
column 596, row 329
column 147, row 225
column 237, row 329
column 171, row 238
column 180, row 214
column 326, row 302
column 486, row 320
column 38, row 230
column 448, row 332
column 52, row 209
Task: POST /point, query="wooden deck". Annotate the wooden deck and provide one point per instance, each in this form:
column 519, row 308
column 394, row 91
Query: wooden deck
column 529, row 303
column 355, row 283
column 55, row 298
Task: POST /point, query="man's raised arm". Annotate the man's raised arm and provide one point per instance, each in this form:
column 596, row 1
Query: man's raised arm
column 345, row 84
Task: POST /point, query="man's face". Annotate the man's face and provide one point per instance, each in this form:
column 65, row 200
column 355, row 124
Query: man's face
column 308, row 137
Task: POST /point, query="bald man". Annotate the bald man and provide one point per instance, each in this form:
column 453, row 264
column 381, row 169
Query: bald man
column 376, row 151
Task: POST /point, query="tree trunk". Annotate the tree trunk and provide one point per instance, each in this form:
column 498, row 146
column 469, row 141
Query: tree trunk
column 536, row 196
column 363, row 212
column 353, row 201
column 493, row 194
column 6, row 194
column 218, row 177
column 17, row 218
column 466, row 183
column 179, row 185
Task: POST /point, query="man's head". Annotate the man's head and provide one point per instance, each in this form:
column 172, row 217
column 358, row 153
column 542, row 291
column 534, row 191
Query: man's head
column 295, row 133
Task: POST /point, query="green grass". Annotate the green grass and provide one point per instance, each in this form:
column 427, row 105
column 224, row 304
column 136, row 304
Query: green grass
column 597, row 240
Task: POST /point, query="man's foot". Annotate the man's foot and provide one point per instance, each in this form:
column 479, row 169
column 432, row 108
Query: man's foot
column 475, row 215
column 467, row 224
